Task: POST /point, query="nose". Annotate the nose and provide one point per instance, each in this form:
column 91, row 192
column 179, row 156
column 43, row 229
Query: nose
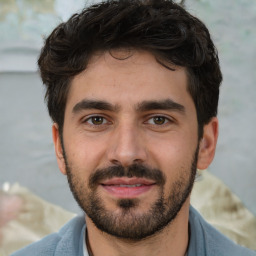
column 126, row 146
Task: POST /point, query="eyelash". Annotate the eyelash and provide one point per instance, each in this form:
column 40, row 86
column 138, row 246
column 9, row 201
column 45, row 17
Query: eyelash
column 165, row 120
column 105, row 121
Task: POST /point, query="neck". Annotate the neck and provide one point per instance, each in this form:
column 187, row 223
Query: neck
column 172, row 240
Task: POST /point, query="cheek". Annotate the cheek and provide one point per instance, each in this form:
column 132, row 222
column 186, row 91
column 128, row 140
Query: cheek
column 174, row 158
column 83, row 153
column 174, row 164
column 172, row 153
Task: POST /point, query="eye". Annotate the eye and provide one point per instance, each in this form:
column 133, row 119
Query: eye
column 96, row 120
column 158, row 120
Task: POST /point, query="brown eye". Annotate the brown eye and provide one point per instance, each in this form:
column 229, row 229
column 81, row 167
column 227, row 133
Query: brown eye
column 96, row 120
column 159, row 120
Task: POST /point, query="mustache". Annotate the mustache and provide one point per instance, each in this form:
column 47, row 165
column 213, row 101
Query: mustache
column 135, row 170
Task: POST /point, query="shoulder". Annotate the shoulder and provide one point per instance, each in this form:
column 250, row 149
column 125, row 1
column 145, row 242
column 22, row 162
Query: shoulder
column 206, row 240
column 59, row 243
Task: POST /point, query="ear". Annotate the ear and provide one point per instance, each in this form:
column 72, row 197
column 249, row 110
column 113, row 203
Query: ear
column 208, row 144
column 58, row 148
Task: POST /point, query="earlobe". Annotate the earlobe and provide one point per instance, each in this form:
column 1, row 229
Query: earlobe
column 58, row 148
column 208, row 143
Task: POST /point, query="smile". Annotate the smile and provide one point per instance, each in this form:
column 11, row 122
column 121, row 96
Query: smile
column 127, row 187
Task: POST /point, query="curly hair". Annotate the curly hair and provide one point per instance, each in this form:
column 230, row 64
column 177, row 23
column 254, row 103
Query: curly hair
column 160, row 27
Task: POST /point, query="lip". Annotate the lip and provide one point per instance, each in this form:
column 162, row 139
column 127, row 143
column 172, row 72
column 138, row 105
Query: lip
column 127, row 187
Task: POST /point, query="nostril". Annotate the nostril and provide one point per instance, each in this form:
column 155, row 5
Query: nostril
column 137, row 161
column 126, row 163
column 125, row 150
column 115, row 162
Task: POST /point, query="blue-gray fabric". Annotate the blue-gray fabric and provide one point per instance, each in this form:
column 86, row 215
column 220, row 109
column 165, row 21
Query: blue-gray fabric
column 204, row 241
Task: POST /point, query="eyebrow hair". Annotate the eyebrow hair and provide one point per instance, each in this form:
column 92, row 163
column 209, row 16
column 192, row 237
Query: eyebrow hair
column 93, row 104
column 167, row 104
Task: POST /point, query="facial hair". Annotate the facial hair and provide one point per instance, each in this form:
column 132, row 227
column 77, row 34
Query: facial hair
column 127, row 223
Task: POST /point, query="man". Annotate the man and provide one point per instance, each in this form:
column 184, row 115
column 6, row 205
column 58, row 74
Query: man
column 132, row 88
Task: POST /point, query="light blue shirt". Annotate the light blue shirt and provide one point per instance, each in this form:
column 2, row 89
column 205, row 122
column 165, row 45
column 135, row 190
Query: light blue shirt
column 205, row 240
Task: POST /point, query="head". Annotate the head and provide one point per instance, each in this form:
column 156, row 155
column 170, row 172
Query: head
column 132, row 88
column 162, row 28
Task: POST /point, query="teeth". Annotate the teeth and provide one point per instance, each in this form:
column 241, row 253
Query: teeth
column 129, row 186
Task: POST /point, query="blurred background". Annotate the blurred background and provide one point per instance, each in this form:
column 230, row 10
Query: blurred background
column 26, row 148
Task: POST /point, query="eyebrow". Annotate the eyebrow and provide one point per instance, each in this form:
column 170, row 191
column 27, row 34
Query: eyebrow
column 167, row 104
column 93, row 104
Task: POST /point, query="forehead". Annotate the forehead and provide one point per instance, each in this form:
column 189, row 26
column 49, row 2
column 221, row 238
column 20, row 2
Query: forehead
column 128, row 60
column 128, row 76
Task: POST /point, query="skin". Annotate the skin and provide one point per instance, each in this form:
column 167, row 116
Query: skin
column 165, row 139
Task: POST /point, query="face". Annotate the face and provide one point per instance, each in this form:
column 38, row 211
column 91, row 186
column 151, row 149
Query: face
column 129, row 143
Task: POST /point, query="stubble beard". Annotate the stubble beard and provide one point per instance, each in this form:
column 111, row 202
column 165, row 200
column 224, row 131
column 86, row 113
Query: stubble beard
column 127, row 223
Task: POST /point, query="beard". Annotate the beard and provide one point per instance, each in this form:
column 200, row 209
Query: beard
column 126, row 223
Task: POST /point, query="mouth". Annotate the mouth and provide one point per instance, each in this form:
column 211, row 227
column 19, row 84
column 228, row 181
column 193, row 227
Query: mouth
column 127, row 187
